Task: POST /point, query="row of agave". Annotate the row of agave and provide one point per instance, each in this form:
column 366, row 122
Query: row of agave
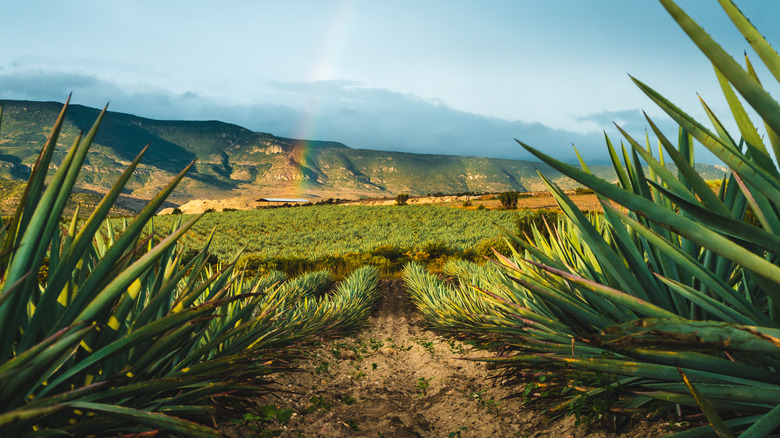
column 673, row 296
column 107, row 332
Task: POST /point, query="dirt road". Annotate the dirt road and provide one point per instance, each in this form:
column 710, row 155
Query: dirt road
column 396, row 379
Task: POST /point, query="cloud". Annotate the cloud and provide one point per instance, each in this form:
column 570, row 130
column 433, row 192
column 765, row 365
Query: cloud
column 344, row 111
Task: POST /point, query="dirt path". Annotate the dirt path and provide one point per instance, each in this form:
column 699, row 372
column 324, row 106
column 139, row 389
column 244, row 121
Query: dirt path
column 396, row 379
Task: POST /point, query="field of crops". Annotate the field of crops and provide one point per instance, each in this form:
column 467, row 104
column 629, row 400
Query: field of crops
column 313, row 232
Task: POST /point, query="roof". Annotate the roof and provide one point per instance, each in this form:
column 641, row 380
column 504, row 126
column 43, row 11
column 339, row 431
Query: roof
column 281, row 200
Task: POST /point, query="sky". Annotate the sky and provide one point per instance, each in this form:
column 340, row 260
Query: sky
column 425, row 76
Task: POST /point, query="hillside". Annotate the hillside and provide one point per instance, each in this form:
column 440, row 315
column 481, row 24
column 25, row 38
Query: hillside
column 234, row 162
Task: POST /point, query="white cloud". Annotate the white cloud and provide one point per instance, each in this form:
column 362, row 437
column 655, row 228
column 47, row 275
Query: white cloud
column 368, row 118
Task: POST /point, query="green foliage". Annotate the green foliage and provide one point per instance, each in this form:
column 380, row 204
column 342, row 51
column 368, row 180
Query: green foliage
column 401, row 198
column 670, row 300
column 583, row 191
column 423, row 384
column 535, row 222
column 509, row 200
column 121, row 336
column 486, row 247
column 345, row 233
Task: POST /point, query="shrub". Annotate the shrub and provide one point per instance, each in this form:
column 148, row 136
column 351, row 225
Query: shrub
column 401, row 199
column 509, row 200
column 583, row 191
column 485, row 247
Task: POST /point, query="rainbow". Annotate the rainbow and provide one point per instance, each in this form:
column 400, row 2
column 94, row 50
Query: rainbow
column 322, row 71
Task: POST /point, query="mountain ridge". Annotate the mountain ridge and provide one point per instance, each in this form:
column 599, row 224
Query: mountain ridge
column 235, row 162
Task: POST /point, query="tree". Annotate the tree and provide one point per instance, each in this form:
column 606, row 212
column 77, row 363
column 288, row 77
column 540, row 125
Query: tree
column 509, row 200
column 401, row 198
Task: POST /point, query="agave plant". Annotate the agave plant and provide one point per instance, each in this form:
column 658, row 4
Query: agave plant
column 121, row 336
column 673, row 295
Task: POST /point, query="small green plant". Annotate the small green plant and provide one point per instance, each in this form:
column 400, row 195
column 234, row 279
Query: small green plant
column 317, row 402
column 348, row 400
column 456, row 434
column 322, row 368
column 353, row 425
column 490, row 404
column 423, row 384
column 375, row 344
column 268, row 415
column 397, row 347
column 401, row 199
column 428, row 346
column 373, row 366
column 455, row 346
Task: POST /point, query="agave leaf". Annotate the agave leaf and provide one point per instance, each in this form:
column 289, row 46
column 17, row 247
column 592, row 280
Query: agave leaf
column 670, row 220
column 745, row 125
column 7, row 419
column 762, row 208
column 40, row 366
column 740, row 230
column 555, row 297
column 707, row 431
column 750, row 171
column 712, row 334
column 109, row 261
column 765, row 51
column 637, row 305
column 123, row 280
column 659, row 169
column 617, row 165
column 143, row 334
column 35, row 184
column 758, row 98
column 61, row 274
column 717, row 285
column 653, row 371
column 774, row 139
column 757, row 153
column 607, row 257
column 769, row 395
column 700, row 188
column 767, row 424
column 152, row 419
column 707, row 303
column 715, row 421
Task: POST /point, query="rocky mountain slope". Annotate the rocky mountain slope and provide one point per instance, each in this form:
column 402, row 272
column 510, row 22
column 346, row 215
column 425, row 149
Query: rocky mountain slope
column 234, row 162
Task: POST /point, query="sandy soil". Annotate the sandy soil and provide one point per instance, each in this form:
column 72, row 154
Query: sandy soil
column 397, row 379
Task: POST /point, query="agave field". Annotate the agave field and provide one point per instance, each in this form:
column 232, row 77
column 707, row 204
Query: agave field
column 665, row 306
column 337, row 230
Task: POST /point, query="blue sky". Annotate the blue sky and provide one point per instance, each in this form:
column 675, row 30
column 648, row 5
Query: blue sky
column 458, row 77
